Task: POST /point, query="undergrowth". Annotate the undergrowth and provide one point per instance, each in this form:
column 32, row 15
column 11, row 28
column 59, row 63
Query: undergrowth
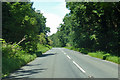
column 14, row 57
column 98, row 54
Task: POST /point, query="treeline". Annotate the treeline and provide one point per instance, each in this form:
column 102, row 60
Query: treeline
column 21, row 21
column 90, row 26
column 23, row 32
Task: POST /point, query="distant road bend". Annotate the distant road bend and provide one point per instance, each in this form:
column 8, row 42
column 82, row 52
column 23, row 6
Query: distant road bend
column 64, row 63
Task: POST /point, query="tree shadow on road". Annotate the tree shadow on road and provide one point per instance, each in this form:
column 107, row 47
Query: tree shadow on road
column 45, row 55
column 32, row 64
column 21, row 73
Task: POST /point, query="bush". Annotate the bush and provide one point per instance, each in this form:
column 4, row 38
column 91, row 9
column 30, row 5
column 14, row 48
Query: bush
column 13, row 57
column 39, row 53
column 83, row 50
column 105, row 56
column 113, row 59
column 11, row 64
column 43, row 48
column 97, row 54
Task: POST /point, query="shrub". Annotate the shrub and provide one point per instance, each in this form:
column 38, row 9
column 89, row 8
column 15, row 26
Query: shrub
column 43, row 48
column 83, row 50
column 105, row 56
column 39, row 53
column 13, row 57
column 97, row 54
column 113, row 59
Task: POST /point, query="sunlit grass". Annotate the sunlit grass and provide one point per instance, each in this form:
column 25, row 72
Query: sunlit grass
column 101, row 55
column 113, row 59
column 11, row 64
column 43, row 48
column 97, row 54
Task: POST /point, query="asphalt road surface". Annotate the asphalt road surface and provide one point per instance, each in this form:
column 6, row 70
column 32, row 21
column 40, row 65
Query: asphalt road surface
column 64, row 63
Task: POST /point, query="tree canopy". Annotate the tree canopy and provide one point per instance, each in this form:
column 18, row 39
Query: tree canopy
column 94, row 26
column 20, row 21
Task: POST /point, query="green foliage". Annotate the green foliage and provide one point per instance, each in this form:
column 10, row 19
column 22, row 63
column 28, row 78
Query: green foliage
column 13, row 57
column 11, row 64
column 92, row 26
column 9, row 50
column 27, row 24
column 42, row 39
column 108, row 56
column 105, row 56
column 98, row 54
column 83, row 50
column 113, row 59
column 43, row 48
column 21, row 27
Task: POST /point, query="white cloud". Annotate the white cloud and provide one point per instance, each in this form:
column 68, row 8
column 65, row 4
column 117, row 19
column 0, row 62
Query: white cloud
column 52, row 21
column 54, row 13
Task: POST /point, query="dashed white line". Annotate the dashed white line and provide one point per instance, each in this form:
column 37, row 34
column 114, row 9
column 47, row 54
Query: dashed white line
column 75, row 63
column 68, row 57
column 64, row 53
column 79, row 67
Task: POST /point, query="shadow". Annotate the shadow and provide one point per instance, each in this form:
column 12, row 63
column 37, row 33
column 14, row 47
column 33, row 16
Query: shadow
column 21, row 73
column 38, row 53
column 45, row 55
column 32, row 65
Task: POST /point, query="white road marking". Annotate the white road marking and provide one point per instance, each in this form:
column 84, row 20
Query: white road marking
column 64, row 53
column 68, row 57
column 79, row 67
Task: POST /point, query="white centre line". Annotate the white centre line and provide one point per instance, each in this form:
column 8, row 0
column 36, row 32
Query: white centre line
column 78, row 66
column 68, row 57
column 64, row 53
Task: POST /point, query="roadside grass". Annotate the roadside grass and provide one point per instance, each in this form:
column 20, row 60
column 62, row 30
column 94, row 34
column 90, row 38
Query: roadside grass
column 14, row 58
column 82, row 50
column 98, row 54
column 10, row 64
column 114, row 59
column 105, row 56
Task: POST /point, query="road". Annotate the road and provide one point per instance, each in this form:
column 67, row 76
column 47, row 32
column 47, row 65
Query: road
column 64, row 63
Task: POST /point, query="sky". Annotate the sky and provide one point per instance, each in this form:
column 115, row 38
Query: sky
column 53, row 10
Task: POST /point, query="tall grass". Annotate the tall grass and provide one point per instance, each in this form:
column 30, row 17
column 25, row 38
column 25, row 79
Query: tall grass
column 14, row 57
column 11, row 64
column 113, row 59
column 97, row 54
column 82, row 50
column 105, row 56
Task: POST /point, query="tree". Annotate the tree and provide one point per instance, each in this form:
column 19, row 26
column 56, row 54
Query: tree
column 20, row 21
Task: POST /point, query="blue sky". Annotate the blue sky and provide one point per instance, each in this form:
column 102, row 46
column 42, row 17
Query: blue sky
column 53, row 10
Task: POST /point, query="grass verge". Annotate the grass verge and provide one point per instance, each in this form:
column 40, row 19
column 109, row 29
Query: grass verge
column 13, row 63
column 14, row 59
column 98, row 54
column 105, row 56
